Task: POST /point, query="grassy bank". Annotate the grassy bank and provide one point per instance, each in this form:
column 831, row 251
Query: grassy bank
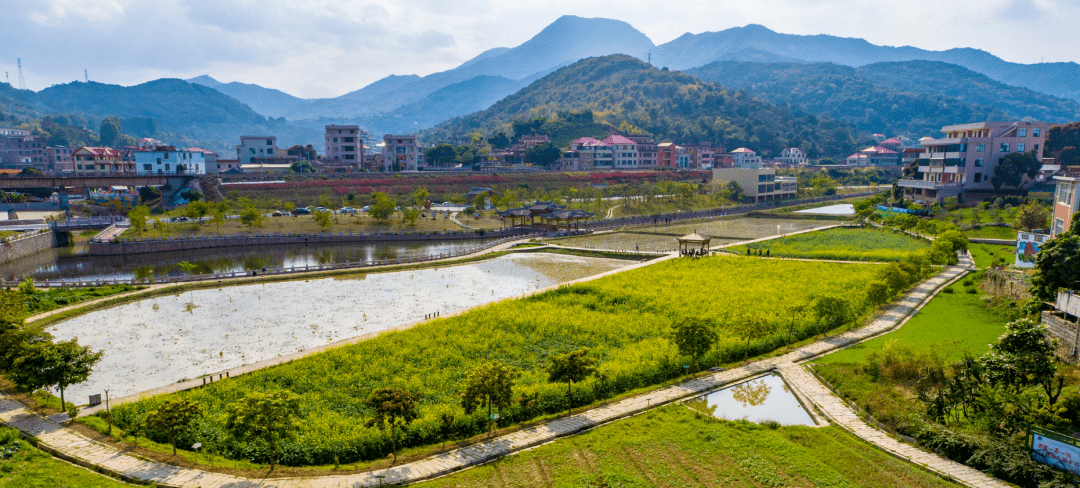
column 623, row 319
column 24, row 466
column 673, row 446
column 847, row 244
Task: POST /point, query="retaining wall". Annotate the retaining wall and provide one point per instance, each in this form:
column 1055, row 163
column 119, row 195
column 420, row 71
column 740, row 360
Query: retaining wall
column 108, row 248
column 20, row 248
column 1064, row 330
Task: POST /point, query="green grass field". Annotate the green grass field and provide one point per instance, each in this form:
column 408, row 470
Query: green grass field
column 674, row 446
column 847, row 244
column 23, row 466
column 623, row 319
column 985, row 254
column 993, row 232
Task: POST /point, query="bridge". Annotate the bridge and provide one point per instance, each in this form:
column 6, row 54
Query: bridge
column 84, row 223
column 81, row 183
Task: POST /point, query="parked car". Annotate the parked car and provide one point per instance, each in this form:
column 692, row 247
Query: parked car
column 366, row 208
column 302, row 211
column 279, row 213
column 347, row 210
column 321, row 209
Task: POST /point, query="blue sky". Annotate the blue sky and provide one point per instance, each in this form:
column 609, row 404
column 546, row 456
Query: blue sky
column 324, row 48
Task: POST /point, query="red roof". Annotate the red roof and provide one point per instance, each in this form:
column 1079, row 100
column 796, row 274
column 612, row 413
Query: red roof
column 891, row 141
column 617, row 139
column 586, row 141
column 201, row 150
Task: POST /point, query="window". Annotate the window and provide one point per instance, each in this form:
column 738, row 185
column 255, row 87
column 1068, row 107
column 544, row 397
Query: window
column 761, row 188
column 347, row 139
column 252, row 150
column 1004, row 147
column 146, row 167
column 980, row 147
column 335, row 139
column 1022, row 132
column 1020, row 147
column 166, row 167
column 978, row 177
column 269, row 142
column 978, row 163
column 1035, row 131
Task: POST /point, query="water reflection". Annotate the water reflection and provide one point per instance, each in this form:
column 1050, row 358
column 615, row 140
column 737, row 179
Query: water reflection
column 766, row 398
column 69, row 263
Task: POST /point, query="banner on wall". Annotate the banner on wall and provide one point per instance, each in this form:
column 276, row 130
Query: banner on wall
column 1027, row 248
column 1055, row 450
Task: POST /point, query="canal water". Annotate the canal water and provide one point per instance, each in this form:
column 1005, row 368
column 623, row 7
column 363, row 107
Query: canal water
column 73, row 263
column 159, row 341
column 765, row 398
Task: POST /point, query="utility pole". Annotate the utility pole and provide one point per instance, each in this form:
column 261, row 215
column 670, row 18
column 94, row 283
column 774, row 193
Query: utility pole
column 22, row 81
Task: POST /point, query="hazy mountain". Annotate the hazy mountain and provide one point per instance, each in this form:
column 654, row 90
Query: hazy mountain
column 459, row 98
column 914, row 98
column 630, row 95
column 266, row 101
column 692, row 50
column 183, row 113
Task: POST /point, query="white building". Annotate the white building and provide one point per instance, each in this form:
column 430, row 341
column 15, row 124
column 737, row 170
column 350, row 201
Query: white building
column 794, row 157
column 167, row 160
column 256, row 147
column 744, row 158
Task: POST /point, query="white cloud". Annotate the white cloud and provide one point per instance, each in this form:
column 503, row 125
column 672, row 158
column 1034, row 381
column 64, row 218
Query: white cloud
column 316, row 48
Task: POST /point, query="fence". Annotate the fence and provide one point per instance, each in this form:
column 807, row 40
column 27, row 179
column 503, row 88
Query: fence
column 84, row 222
column 277, row 271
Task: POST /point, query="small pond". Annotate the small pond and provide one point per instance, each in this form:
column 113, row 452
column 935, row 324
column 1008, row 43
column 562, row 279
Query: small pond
column 758, row 400
column 838, row 209
column 159, row 341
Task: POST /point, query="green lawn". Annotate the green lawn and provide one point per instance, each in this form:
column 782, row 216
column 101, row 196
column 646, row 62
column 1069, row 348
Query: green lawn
column 623, row 319
column 23, row 466
column 951, row 324
column 991, row 232
column 985, row 254
column 849, row 244
column 674, row 446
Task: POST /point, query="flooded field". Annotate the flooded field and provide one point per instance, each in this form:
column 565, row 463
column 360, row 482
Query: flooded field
column 766, row 398
column 159, row 341
column 722, row 231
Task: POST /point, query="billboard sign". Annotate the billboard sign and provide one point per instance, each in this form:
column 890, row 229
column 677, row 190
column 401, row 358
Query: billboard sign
column 1055, row 450
column 1027, row 248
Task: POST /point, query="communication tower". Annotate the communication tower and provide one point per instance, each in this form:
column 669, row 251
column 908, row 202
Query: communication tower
column 22, row 81
column 86, row 75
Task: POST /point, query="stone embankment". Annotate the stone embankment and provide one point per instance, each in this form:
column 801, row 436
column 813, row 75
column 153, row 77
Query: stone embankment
column 22, row 246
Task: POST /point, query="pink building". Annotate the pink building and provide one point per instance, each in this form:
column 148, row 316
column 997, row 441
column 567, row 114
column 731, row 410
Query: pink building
column 343, row 143
column 874, row 156
column 1066, row 200
column 58, row 159
column 19, row 149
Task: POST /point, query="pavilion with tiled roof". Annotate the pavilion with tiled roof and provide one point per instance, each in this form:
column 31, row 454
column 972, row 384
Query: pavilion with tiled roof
column 531, row 212
column 567, row 218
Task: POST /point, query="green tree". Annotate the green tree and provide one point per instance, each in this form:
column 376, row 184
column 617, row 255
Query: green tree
column 752, row 325
column 833, row 311
column 217, row 215
column 393, row 408
column 877, row 293
column 1012, row 169
column 794, row 309
column 490, row 385
column 173, row 417
column 251, row 217
column 441, row 155
column 196, row 210
column 420, row 196
column 1023, row 356
column 382, row 207
column 59, row 365
column 694, row 337
column 543, row 154
column 264, row 418
column 138, row 217
column 410, row 215
column 1057, row 266
column 322, row 218
column 110, row 131
column 570, row 368
column 1031, row 216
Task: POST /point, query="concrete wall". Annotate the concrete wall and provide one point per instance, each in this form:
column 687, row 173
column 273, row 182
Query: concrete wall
column 20, row 248
column 148, row 246
column 1064, row 330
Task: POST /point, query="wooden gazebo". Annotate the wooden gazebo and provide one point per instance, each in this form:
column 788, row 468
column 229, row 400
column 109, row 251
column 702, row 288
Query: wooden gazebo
column 568, row 218
column 693, row 243
column 539, row 209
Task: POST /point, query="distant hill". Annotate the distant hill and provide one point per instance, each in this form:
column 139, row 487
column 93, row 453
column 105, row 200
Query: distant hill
column 693, row 50
column 624, row 92
column 182, row 112
column 914, row 98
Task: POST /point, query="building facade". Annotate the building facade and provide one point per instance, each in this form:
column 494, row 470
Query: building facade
column 344, row 143
column 874, row 156
column 400, row 153
column 793, row 156
column 100, row 161
column 760, row 184
column 20, row 149
column 744, row 158
column 58, row 159
column 256, row 147
column 1066, row 200
column 964, row 160
column 167, row 160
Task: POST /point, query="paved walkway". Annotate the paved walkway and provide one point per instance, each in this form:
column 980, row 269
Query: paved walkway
column 73, row 446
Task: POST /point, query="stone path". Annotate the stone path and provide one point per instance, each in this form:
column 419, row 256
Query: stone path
column 77, row 448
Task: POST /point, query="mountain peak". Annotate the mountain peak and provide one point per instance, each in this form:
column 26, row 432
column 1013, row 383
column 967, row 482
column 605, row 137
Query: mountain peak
column 204, row 80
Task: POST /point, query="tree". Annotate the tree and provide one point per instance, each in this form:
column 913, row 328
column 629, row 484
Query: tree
column 217, row 215
column 382, row 206
column 393, row 408
column 795, row 309
column 420, row 196
column 264, row 418
column 1032, row 216
column 110, row 131
column 833, row 311
column 31, row 171
column 173, row 417
column 499, row 140
column 410, row 215
column 734, row 191
column 543, row 154
column 1023, row 356
column 1057, row 266
column 302, row 167
column 752, row 325
column 305, row 152
column 138, row 217
column 441, row 155
column 251, row 217
column 322, row 218
column 196, row 210
column 877, row 293
column 694, row 337
column 1012, row 169
column 59, row 364
column 571, row 367
column 489, row 385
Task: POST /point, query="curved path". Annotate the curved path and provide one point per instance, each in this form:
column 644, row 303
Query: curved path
column 70, row 445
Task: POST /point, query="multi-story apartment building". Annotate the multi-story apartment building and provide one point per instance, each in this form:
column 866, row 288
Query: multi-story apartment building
column 793, row 156
column 19, row 149
column 256, row 147
column 964, row 160
column 58, row 159
column 167, row 160
column 1066, row 200
column 647, row 150
column 760, row 184
column 874, row 156
column 674, row 156
column 210, row 157
column 586, row 154
column 744, row 158
column 702, row 155
column 613, row 152
column 344, row 143
column 101, row 161
column 400, row 153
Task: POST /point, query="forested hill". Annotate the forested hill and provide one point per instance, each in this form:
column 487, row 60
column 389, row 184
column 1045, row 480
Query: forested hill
column 910, row 97
column 622, row 91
